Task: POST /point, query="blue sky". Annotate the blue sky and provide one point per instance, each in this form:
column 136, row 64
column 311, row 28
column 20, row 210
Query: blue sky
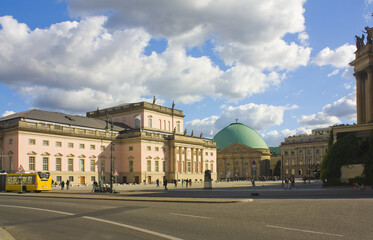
column 278, row 66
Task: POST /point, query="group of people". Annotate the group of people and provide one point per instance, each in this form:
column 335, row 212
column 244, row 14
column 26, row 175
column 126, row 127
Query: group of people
column 62, row 184
column 290, row 183
column 188, row 182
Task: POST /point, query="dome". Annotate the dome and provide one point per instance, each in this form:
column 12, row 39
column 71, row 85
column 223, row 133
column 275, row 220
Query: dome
column 239, row 133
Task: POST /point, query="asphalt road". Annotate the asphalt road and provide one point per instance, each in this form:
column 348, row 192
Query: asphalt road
column 60, row 218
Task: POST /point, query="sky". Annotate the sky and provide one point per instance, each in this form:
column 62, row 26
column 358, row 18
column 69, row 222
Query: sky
column 280, row 67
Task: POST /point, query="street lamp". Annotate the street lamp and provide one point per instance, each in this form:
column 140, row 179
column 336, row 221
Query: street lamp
column 109, row 120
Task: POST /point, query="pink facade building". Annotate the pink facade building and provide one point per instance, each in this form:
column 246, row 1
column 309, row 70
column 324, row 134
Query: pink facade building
column 143, row 141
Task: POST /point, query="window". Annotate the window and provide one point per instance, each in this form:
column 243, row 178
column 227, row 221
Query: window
column 10, row 158
column 207, row 154
column 150, row 122
column 58, row 164
column 177, row 127
column 45, row 143
column 92, row 165
column 130, row 167
column 10, row 141
column 157, row 149
column 31, row 141
column 164, row 149
column 81, row 165
column 317, row 151
column 102, row 148
column 81, row 146
column 160, row 124
column 71, row 178
column 211, row 154
column 45, row 164
column 70, row 145
column 188, row 166
column 157, row 166
column 70, row 164
column 58, row 179
column 93, row 178
column 31, row 163
column 137, row 122
column 58, row 144
column 149, row 166
column 206, row 166
column 130, row 148
column 93, row 147
column 149, row 148
column 212, row 167
column 164, row 166
column 102, row 165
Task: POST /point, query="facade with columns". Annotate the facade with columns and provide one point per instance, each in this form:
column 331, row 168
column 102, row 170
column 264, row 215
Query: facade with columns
column 142, row 141
column 303, row 154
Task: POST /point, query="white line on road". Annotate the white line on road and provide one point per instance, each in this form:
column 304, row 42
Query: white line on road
column 186, row 215
column 100, row 220
column 306, row 231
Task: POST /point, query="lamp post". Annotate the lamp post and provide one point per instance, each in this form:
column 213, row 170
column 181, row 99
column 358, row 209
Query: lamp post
column 109, row 120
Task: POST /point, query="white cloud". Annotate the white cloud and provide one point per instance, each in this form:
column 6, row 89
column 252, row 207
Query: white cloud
column 7, row 113
column 339, row 58
column 335, row 72
column 87, row 65
column 303, row 38
column 343, row 108
column 258, row 117
column 274, row 138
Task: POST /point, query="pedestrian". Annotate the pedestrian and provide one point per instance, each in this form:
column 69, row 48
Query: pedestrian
column 67, row 184
column 94, row 186
column 253, row 182
column 175, row 182
column 186, row 183
column 286, row 183
column 157, row 181
column 190, row 182
column 62, row 185
column 165, row 183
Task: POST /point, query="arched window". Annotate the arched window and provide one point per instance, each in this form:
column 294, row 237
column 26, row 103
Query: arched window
column 150, row 121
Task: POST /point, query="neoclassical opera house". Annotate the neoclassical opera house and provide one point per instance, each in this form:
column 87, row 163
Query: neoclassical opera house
column 242, row 153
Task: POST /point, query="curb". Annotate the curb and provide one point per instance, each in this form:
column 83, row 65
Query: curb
column 124, row 198
column 4, row 235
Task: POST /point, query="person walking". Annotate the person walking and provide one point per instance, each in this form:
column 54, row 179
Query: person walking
column 175, row 182
column 62, row 185
column 165, row 183
column 157, row 181
column 67, row 184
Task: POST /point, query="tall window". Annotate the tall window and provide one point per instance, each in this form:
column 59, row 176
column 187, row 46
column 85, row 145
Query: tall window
column 157, row 166
column 177, row 127
column 81, row 165
column 102, row 165
column 45, row 164
column 92, row 165
column 137, row 122
column 160, row 124
column 150, row 122
column 212, row 167
column 188, row 166
column 10, row 141
column 70, row 164
column 130, row 167
column 58, row 164
column 149, row 166
column 31, row 163
column 10, row 162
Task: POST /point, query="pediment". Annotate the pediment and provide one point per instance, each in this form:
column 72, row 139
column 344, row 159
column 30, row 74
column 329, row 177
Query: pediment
column 70, row 155
column 92, row 156
column 81, row 156
column 45, row 154
column 237, row 148
column 58, row 155
column 31, row 153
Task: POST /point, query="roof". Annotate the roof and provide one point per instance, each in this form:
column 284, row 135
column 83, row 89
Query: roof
column 275, row 150
column 62, row 118
column 239, row 133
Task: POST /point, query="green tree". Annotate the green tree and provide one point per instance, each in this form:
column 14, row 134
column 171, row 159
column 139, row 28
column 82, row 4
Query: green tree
column 277, row 170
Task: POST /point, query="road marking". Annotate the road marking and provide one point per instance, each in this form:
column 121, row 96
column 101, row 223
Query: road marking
column 39, row 209
column 186, row 215
column 306, row 231
column 100, row 220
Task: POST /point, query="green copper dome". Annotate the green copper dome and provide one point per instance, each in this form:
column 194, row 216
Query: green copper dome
column 239, row 133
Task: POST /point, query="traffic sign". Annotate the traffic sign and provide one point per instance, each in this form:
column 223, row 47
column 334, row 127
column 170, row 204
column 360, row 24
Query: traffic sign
column 21, row 169
column 115, row 174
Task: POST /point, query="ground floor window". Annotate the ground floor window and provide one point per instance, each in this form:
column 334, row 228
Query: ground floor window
column 58, row 179
column 45, row 164
column 81, row 165
column 31, row 163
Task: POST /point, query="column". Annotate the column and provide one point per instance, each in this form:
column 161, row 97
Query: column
column 359, row 99
column 192, row 150
column 185, row 159
column 202, row 163
column 369, row 96
column 175, row 168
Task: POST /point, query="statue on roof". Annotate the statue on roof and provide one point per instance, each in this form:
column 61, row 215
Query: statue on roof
column 201, row 135
column 359, row 41
column 369, row 32
column 154, row 99
column 192, row 134
column 185, row 132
